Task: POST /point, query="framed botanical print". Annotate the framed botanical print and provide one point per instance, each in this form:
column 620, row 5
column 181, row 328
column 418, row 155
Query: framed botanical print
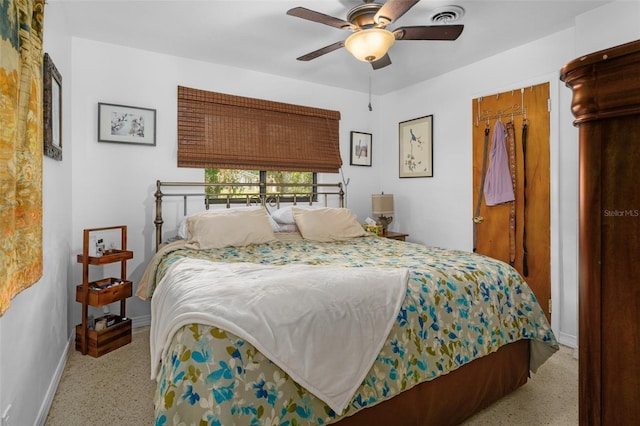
column 360, row 149
column 52, row 109
column 126, row 124
column 416, row 147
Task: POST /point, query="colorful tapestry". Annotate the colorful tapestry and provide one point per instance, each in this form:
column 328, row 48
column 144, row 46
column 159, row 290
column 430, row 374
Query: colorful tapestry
column 21, row 139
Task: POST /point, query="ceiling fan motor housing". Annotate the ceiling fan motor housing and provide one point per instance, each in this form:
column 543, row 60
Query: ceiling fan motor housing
column 362, row 16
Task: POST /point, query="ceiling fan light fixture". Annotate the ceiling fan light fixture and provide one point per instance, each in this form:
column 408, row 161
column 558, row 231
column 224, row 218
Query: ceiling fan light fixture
column 370, row 44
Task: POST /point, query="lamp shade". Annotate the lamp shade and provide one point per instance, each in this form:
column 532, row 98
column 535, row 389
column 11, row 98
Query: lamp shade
column 382, row 204
column 369, row 45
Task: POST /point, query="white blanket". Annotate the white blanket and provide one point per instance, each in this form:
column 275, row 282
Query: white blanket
column 323, row 325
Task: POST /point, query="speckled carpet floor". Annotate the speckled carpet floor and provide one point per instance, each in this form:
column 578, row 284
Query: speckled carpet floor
column 115, row 390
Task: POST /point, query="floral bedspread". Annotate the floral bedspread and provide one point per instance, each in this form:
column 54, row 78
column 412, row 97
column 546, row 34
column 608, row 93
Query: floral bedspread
column 459, row 306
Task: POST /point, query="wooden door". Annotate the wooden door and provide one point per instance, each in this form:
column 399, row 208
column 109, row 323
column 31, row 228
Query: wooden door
column 492, row 235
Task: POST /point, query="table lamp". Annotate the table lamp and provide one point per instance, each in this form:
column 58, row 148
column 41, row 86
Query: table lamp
column 382, row 206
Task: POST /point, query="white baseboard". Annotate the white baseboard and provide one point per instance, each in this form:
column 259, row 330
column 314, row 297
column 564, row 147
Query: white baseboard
column 568, row 340
column 55, row 381
column 142, row 321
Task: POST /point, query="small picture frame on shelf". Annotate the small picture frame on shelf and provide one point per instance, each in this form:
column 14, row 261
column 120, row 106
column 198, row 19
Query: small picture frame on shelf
column 126, row 124
column 360, row 149
column 99, row 247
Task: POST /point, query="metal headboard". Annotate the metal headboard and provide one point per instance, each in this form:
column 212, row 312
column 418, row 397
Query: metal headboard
column 271, row 194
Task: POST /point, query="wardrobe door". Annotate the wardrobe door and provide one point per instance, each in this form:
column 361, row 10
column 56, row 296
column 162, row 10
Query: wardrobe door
column 609, row 271
column 620, row 258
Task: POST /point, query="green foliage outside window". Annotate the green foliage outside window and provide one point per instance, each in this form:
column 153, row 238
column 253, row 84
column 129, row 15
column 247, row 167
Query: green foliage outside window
column 257, row 177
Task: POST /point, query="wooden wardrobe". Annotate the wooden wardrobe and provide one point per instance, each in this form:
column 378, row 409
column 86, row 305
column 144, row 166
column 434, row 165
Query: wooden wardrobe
column 606, row 104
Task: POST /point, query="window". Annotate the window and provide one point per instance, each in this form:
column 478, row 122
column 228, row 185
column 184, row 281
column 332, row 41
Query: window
column 261, row 179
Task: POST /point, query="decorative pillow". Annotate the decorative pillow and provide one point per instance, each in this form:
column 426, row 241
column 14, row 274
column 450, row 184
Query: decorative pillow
column 328, row 224
column 182, row 228
column 230, row 229
column 284, row 215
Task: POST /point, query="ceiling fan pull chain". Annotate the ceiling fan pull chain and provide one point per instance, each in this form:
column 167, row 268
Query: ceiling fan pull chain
column 370, row 108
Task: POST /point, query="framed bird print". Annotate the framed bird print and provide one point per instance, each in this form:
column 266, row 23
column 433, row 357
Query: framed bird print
column 416, row 147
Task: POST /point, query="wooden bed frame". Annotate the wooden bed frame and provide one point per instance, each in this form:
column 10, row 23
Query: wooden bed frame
column 454, row 397
column 447, row 400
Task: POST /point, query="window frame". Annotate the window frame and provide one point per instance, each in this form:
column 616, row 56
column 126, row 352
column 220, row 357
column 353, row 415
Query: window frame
column 262, row 184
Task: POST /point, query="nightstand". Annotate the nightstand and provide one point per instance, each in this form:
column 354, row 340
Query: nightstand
column 395, row 235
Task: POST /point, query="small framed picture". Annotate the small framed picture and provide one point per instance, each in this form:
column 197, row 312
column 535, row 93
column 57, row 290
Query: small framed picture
column 52, row 109
column 416, row 147
column 360, row 149
column 126, row 124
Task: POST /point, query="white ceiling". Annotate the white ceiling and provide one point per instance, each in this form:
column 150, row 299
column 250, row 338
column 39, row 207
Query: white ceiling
column 260, row 36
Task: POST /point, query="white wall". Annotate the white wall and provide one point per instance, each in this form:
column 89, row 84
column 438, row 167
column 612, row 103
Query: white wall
column 610, row 25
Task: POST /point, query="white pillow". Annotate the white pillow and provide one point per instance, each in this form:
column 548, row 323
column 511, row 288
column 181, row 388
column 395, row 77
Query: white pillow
column 287, row 227
column 284, row 215
column 327, row 224
column 182, row 228
column 231, row 229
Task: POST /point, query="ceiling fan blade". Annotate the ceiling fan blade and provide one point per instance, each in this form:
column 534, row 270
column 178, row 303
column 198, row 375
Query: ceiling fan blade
column 322, row 51
column 392, row 10
column 311, row 15
column 435, row 32
column 382, row 62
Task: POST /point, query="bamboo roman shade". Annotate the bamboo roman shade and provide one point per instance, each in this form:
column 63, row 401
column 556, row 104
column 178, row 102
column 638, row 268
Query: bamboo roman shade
column 217, row 130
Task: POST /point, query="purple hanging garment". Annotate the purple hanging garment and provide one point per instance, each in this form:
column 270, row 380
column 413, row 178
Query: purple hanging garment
column 498, row 188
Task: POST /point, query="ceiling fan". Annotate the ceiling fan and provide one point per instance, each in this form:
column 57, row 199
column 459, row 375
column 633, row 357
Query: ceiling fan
column 371, row 39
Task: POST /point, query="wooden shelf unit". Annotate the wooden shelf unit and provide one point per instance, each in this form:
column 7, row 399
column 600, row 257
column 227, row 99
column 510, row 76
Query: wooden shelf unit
column 103, row 292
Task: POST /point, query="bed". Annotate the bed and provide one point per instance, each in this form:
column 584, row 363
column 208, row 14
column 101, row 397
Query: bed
column 452, row 331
